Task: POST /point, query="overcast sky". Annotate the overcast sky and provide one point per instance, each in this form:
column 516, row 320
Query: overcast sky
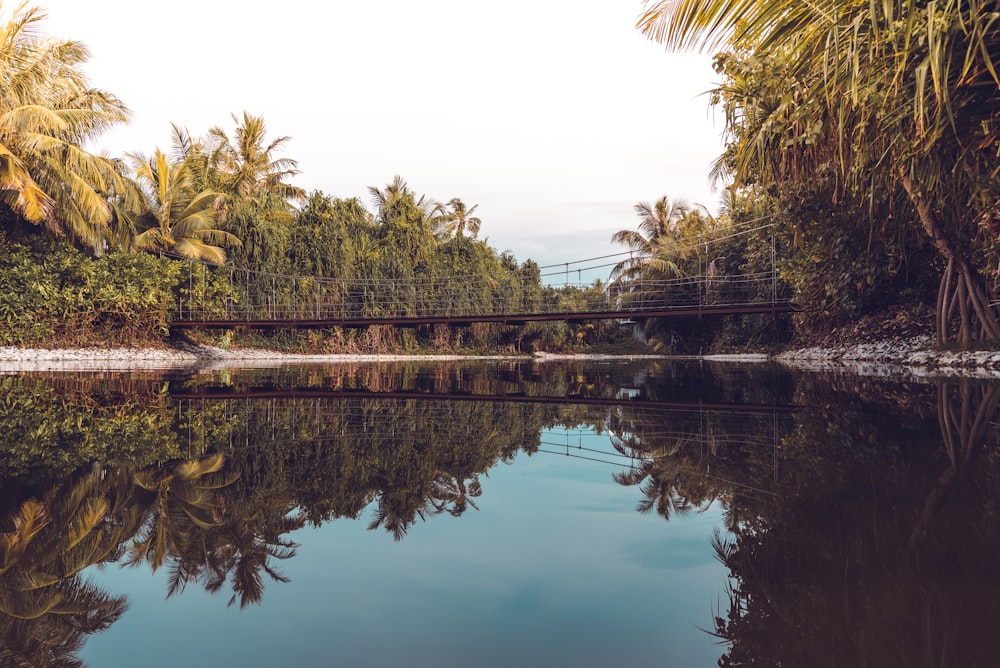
column 554, row 116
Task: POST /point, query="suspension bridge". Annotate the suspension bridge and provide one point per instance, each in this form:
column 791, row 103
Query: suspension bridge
column 222, row 297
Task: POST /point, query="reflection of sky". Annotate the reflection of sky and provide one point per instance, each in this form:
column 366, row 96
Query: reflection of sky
column 556, row 568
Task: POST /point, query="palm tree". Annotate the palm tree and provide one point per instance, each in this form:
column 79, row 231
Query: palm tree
column 899, row 97
column 456, row 219
column 398, row 192
column 47, row 111
column 651, row 244
column 177, row 217
column 256, row 197
column 246, row 163
column 669, row 235
column 405, row 221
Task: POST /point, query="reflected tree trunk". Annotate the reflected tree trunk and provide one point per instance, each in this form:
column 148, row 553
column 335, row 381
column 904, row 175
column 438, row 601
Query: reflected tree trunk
column 965, row 414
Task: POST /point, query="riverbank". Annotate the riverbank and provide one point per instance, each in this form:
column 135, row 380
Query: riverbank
column 205, row 357
column 14, row 359
column 909, row 355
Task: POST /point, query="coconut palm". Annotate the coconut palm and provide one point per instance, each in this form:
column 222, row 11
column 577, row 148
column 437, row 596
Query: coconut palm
column 47, row 111
column 398, row 192
column 652, row 244
column 669, row 236
column 255, row 195
column 456, row 219
column 246, row 163
column 177, row 217
column 899, row 96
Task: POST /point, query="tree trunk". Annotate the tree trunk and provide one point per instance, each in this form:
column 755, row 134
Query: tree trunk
column 970, row 291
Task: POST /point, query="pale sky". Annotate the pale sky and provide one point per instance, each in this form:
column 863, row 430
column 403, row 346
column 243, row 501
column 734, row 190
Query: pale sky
column 554, row 116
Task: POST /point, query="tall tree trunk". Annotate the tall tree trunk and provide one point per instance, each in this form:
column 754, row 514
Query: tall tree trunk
column 970, row 290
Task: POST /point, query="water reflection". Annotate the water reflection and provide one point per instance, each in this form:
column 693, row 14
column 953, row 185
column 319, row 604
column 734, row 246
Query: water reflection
column 878, row 544
column 860, row 517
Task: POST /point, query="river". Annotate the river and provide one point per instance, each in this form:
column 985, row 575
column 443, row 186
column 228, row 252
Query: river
column 498, row 513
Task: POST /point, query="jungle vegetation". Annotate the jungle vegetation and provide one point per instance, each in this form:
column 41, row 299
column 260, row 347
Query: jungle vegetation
column 866, row 133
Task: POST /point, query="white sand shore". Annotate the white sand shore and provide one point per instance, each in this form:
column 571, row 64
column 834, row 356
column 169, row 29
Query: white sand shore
column 185, row 357
column 910, row 357
column 207, row 358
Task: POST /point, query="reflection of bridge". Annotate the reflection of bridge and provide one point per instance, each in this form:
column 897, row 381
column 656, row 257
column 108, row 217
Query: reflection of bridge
column 224, row 393
column 635, row 430
column 269, row 301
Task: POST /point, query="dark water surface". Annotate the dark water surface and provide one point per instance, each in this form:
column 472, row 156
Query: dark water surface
column 497, row 514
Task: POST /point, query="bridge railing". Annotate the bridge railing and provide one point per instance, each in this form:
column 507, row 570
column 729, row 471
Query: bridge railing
column 220, row 293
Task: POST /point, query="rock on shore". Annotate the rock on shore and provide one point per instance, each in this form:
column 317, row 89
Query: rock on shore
column 914, row 356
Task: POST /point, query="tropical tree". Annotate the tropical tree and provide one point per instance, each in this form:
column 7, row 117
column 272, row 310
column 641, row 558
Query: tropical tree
column 405, row 222
column 456, row 219
column 255, row 195
column 47, row 111
column 895, row 99
column 653, row 245
column 670, row 236
column 246, row 163
column 177, row 217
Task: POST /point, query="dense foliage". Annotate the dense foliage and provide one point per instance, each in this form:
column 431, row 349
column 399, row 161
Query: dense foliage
column 868, row 132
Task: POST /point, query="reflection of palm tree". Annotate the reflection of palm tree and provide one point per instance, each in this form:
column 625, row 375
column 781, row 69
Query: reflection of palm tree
column 397, row 510
column 187, row 525
column 659, row 487
column 450, row 494
column 182, row 501
column 243, row 552
column 47, row 609
column 670, row 482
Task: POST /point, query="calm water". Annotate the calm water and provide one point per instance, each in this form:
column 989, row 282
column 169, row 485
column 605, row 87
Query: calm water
column 498, row 514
